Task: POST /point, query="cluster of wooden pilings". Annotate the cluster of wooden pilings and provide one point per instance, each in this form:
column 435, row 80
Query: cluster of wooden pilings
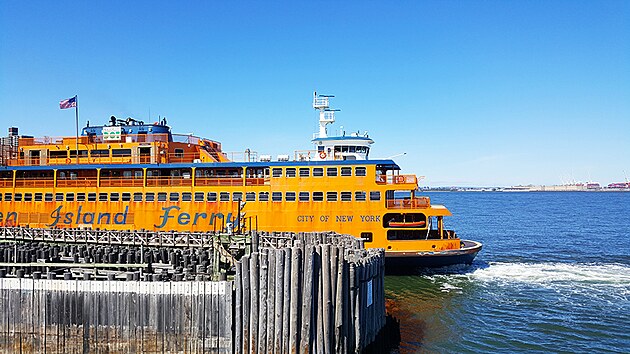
column 309, row 293
column 306, row 292
column 92, row 261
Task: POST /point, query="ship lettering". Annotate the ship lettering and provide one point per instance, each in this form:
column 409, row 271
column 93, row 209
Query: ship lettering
column 11, row 218
column 323, row 218
column 305, row 218
column 370, row 218
column 86, row 218
column 183, row 218
column 344, row 218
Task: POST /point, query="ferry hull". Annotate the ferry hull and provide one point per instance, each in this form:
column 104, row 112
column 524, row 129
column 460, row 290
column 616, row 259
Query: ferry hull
column 410, row 261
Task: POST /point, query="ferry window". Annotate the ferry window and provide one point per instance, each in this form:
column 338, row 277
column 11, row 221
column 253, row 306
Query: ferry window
column 331, row 196
column 346, row 196
column 263, row 196
column 237, row 196
column 18, row 197
column 303, row 196
column 28, row 197
column 179, row 152
column 91, row 197
column 360, row 172
column 102, row 197
column 126, row 197
column 331, row 171
column 400, row 234
column 82, row 153
column 114, row 197
column 276, row 196
column 359, row 196
column 318, row 196
column 351, row 148
column 8, row 197
column 212, row 196
column 48, row 197
column 99, row 153
column 80, row 197
column 346, row 171
column 304, row 172
column 58, row 154
column 137, row 197
column 59, row 197
column 289, row 196
column 290, row 172
column 137, row 174
column 250, row 196
column 367, row 236
column 224, row 197
column 121, row 152
column 174, row 197
column 161, row 197
column 375, row 195
column 38, row 197
column 276, row 172
column 199, row 196
column 69, row 197
column 149, row 197
column 318, row 172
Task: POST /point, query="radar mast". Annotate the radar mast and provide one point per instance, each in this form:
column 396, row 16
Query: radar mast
column 326, row 115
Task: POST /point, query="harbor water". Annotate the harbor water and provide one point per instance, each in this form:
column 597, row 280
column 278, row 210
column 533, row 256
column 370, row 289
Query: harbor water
column 553, row 277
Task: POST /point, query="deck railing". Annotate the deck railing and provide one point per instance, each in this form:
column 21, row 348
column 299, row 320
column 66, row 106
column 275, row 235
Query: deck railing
column 78, row 182
column 396, row 179
column 33, row 182
column 419, row 202
column 6, row 182
column 219, row 181
column 121, row 182
column 168, row 181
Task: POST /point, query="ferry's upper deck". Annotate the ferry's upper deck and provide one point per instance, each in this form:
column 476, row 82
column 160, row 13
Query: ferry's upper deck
column 126, row 141
column 155, row 155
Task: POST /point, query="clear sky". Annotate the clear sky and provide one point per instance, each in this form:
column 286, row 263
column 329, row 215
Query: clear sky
column 477, row 93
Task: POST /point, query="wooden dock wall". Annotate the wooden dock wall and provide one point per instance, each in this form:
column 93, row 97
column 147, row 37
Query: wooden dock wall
column 320, row 294
column 294, row 293
column 77, row 316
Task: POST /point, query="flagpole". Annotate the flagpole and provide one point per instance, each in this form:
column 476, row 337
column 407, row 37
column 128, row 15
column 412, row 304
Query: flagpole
column 76, row 115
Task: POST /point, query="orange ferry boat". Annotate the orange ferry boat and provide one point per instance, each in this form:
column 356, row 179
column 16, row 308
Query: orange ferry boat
column 131, row 175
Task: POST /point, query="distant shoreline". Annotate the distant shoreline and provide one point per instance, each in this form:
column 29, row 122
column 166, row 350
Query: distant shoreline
column 511, row 190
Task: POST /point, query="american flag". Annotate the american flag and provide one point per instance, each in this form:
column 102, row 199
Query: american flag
column 69, row 103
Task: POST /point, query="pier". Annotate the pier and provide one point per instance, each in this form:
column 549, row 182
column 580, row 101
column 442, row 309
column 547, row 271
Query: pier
column 80, row 291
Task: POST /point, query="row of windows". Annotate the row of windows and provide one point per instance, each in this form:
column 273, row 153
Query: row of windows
column 318, row 172
column 359, row 196
column 93, row 153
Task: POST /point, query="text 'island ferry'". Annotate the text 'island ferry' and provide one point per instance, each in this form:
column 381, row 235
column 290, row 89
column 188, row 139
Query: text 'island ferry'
column 131, row 175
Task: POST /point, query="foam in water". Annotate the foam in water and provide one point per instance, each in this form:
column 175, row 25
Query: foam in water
column 550, row 273
column 606, row 280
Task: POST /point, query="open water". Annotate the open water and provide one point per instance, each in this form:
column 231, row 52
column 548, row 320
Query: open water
column 553, row 277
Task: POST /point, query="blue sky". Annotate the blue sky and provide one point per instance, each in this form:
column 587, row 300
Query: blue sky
column 477, row 93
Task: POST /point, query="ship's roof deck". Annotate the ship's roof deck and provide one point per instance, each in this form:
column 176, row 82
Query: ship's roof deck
column 381, row 164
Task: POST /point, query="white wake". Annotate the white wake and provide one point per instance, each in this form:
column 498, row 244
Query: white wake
column 608, row 281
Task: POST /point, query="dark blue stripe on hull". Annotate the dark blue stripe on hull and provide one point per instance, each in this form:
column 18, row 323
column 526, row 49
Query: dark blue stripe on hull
column 428, row 261
column 410, row 262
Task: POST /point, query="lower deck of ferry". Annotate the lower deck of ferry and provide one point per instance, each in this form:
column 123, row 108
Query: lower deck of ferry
column 384, row 209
